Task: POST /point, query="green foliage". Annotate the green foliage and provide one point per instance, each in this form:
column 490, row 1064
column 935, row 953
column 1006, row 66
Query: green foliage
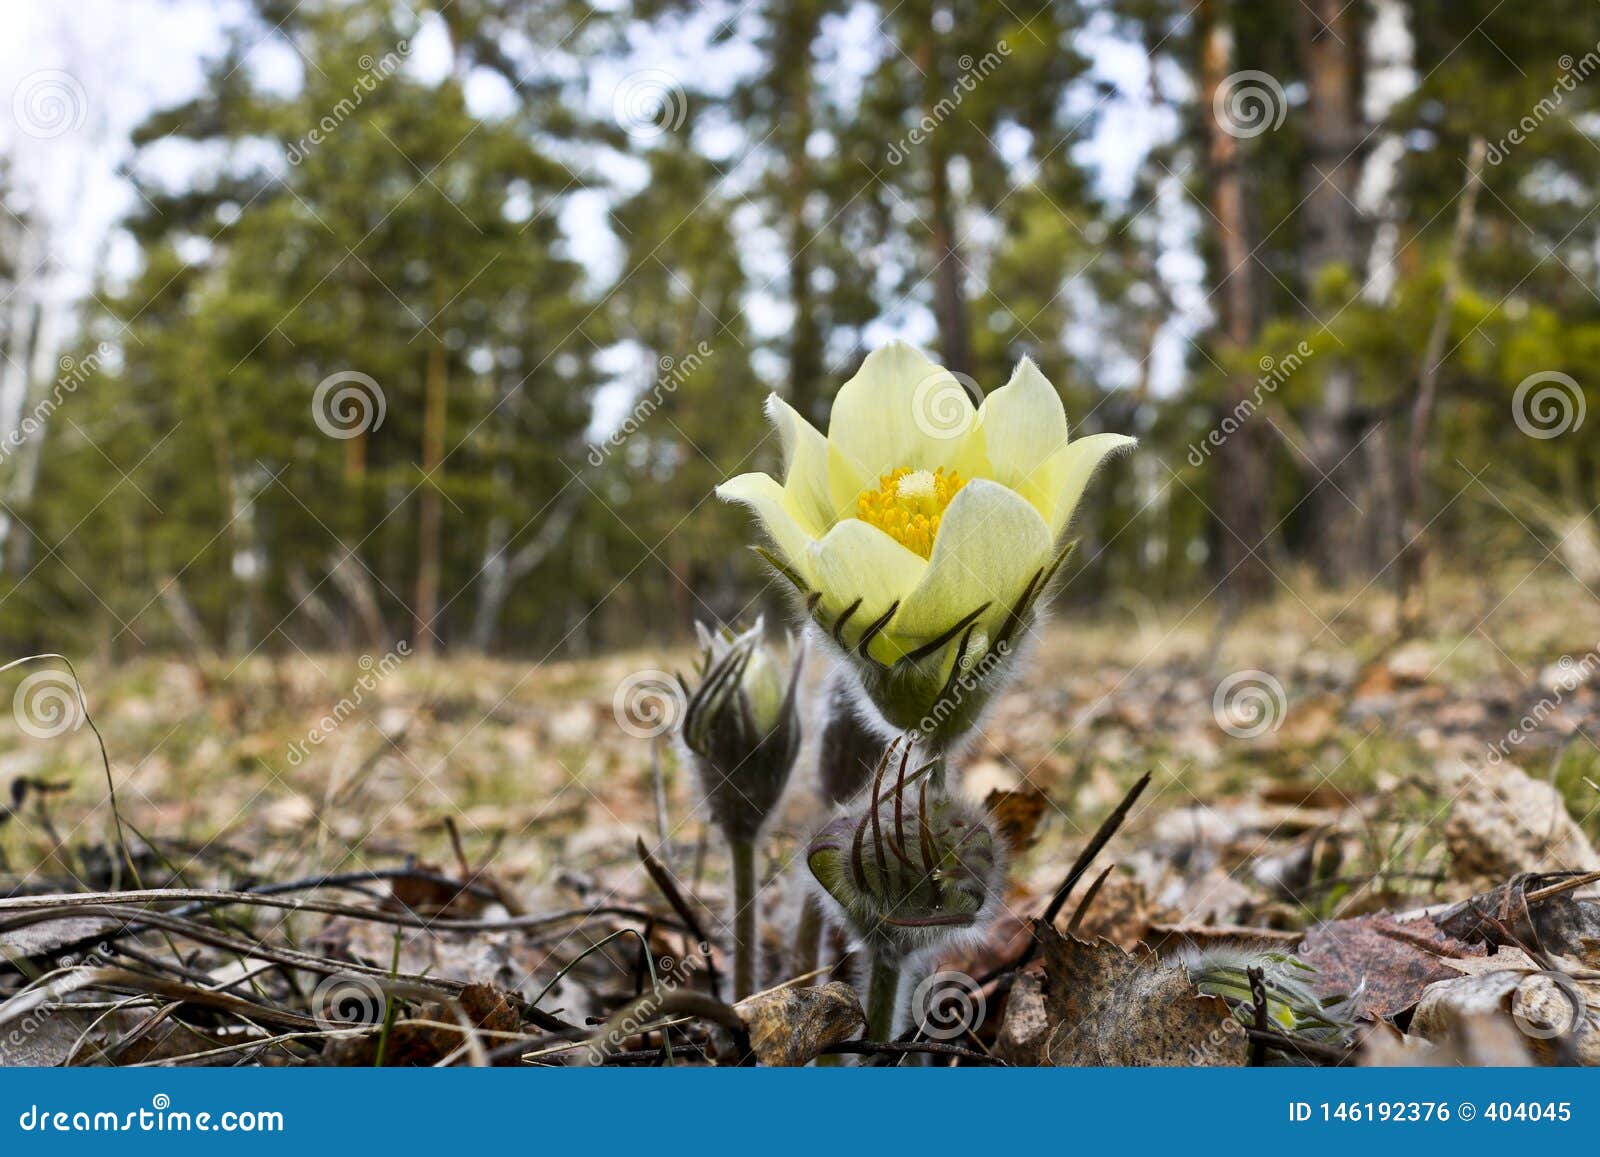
column 918, row 168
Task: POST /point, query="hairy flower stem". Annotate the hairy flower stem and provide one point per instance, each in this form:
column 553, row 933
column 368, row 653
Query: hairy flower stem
column 808, row 937
column 745, row 944
column 883, row 993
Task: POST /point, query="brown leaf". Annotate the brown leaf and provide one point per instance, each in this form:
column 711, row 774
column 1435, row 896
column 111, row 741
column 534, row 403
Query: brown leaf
column 1121, row 912
column 434, row 897
column 1552, row 1017
column 1558, row 919
column 1386, row 963
column 1106, row 1007
column 791, row 1026
column 1025, row 1026
column 1474, row 1042
column 1504, row 822
column 1016, row 814
column 1312, row 721
column 1375, row 679
column 1303, row 793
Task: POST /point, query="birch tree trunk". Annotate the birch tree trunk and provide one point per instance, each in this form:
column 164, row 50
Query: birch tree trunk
column 1242, row 474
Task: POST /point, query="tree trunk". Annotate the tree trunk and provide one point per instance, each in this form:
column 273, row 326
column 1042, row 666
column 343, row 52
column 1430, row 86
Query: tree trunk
column 805, row 337
column 355, row 582
column 949, row 297
column 950, row 302
column 1345, row 546
column 1241, row 463
column 430, row 515
column 43, row 380
column 500, row 571
column 1413, row 554
column 17, row 336
column 1389, row 77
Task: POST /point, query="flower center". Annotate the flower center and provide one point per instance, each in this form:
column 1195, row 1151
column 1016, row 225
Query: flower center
column 908, row 504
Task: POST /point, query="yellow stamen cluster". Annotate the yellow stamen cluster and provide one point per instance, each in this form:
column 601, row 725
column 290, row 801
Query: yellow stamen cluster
column 908, row 504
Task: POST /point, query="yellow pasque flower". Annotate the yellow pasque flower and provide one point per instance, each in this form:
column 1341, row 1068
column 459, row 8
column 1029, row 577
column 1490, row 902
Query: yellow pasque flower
column 921, row 530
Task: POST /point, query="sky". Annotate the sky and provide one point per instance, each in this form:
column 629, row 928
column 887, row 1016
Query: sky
column 75, row 79
column 78, row 77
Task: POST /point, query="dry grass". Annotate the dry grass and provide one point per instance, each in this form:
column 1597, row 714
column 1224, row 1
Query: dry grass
column 475, row 765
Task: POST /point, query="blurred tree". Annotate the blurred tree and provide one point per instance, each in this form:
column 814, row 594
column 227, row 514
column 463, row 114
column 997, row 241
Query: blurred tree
column 551, row 433
column 355, row 319
column 1342, row 178
column 695, row 417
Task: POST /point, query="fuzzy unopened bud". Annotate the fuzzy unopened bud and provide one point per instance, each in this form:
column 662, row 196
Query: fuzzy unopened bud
column 911, row 867
column 1294, row 1004
column 742, row 729
column 851, row 747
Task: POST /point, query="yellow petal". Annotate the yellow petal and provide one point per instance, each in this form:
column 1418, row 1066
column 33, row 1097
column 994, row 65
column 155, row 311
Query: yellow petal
column 1071, row 468
column 855, row 560
column 846, row 481
column 991, row 542
column 776, row 509
column 899, row 410
column 1023, row 425
column 805, row 464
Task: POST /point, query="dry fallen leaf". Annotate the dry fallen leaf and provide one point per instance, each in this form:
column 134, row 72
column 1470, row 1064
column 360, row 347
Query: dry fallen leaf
column 1025, row 1027
column 1106, row 1007
column 1555, row 1015
column 1550, row 912
column 429, row 894
column 1504, row 822
column 1017, row 814
column 1384, row 963
column 1474, row 1041
column 791, row 1026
